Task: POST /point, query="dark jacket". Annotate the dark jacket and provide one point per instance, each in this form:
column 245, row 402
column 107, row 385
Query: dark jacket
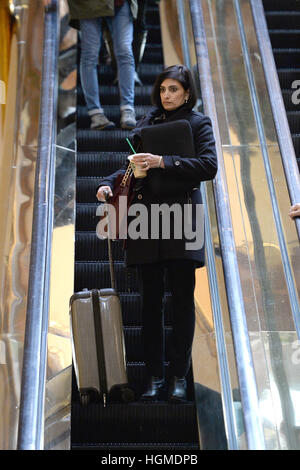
column 84, row 9
column 201, row 167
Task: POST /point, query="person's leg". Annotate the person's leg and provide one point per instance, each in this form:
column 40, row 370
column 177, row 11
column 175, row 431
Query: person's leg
column 140, row 33
column 90, row 48
column 181, row 274
column 121, row 26
column 151, row 282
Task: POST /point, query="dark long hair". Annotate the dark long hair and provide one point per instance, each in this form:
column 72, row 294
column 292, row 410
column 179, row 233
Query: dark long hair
column 184, row 76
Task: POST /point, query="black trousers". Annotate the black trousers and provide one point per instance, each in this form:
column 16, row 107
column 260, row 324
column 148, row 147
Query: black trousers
column 181, row 281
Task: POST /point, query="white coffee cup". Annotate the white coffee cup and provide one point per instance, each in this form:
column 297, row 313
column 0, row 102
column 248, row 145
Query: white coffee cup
column 137, row 170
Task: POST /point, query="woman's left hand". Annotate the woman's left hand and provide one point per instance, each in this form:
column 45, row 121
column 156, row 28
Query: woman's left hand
column 294, row 211
column 147, row 160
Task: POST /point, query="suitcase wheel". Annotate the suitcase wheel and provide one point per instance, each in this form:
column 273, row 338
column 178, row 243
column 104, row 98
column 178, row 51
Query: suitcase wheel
column 85, row 398
column 122, row 394
column 127, row 395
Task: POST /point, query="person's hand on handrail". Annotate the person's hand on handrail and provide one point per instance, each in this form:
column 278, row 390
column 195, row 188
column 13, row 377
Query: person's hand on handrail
column 294, row 211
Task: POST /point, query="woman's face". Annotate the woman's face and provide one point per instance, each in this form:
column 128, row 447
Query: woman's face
column 172, row 94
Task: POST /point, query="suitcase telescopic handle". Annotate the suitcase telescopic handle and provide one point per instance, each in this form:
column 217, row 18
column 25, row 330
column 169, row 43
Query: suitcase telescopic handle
column 111, row 263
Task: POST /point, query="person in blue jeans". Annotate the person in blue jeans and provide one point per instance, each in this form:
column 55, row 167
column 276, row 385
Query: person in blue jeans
column 87, row 16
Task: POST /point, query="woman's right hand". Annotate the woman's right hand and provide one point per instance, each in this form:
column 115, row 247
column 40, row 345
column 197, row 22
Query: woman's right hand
column 101, row 193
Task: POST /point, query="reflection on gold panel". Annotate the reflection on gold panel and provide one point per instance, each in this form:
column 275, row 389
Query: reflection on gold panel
column 204, row 343
column 62, row 284
column 259, row 256
column 6, row 32
column 21, row 60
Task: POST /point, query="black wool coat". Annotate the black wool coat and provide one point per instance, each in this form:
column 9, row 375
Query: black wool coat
column 185, row 239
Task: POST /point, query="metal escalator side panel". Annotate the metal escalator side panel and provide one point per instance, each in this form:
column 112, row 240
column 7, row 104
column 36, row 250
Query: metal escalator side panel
column 266, row 295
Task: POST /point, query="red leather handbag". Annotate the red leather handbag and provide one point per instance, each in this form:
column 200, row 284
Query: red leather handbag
column 113, row 222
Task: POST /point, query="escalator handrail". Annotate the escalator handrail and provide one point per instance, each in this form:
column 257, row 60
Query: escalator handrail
column 244, row 363
column 30, row 432
column 278, row 108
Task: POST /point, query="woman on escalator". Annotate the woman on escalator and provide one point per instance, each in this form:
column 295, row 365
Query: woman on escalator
column 171, row 179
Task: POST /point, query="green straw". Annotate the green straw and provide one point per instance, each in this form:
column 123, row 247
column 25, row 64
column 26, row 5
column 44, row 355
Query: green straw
column 129, row 143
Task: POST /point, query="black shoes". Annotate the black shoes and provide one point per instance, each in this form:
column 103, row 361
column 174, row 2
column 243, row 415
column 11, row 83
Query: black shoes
column 154, row 387
column 177, row 390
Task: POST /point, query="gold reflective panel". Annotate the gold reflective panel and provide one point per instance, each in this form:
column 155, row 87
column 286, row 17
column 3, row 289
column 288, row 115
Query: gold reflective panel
column 21, row 61
column 21, row 68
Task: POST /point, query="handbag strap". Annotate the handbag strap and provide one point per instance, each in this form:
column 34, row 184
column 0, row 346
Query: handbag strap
column 111, row 265
column 127, row 174
column 110, row 256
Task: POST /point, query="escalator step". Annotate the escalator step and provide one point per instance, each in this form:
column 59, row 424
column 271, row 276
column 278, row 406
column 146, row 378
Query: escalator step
column 131, row 309
column 285, row 58
column 283, row 19
column 153, row 54
column 110, row 95
column 296, row 141
column 284, row 38
column 294, row 121
column 86, row 218
column 287, row 77
column 99, row 163
column 96, row 141
column 154, row 34
column 281, row 5
column 96, row 275
column 86, row 188
column 289, row 100
column 134, row 343
column 146, row 72
column 134, row 423
column 88, row 247
column 111, row 112
column 173, row 447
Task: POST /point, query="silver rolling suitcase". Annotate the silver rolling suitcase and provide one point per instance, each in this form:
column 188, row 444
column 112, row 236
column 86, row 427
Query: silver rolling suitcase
column 98, row 345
